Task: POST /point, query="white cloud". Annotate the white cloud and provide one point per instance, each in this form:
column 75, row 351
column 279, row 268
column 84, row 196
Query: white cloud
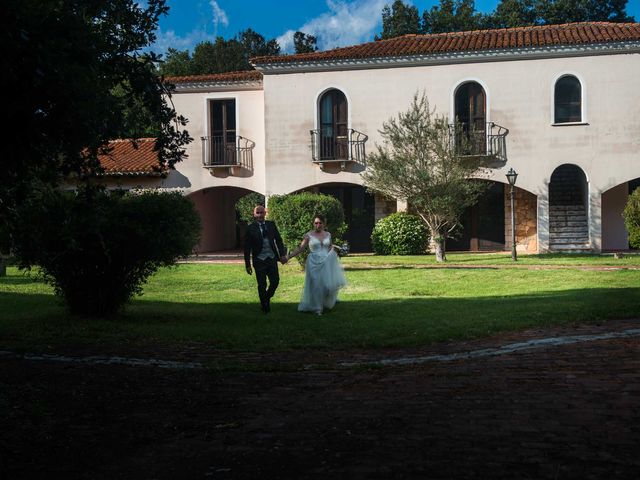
column 219, row 16
column 169, row 39
column 346, row 23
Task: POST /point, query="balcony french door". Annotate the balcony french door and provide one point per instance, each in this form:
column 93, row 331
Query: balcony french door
column 334, row 135
column 470, row 110
column 223, row 131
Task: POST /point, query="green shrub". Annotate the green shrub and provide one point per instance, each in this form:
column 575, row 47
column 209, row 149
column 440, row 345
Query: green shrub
column 400, row 234
column 97, row 248
column 245, row 206
column 631, row 216
column 294, row 216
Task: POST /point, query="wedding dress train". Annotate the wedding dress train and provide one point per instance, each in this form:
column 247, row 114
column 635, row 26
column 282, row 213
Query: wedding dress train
column 323, row 276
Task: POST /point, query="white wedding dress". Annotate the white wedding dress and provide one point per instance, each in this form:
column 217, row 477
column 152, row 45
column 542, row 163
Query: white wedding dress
column 323, row 276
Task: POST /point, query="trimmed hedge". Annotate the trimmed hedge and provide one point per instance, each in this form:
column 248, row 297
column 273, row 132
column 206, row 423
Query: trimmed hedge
column 400, row 234
column 631, row 216
column 97, row 248
column 294, row 216
column 245, row 206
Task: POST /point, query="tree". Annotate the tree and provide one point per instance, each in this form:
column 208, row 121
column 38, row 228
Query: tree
column 176, row 63
column 399, row 19
column 515, row 13
column 255, row 45
column 566, row 11
column 420, row 162
column 520, row 13
column 63, row 63
column 452, row 16
column 220, row 56
column 304, row 43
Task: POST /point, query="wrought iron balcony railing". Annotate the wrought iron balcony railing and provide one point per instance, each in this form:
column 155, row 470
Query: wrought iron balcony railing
column 326, row 147
column 474, row 142
column 219, row 151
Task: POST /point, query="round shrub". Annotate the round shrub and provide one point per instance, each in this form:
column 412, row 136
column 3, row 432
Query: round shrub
column 400, row 234
column 97, row 248
column 631, row 216
column 294, row 214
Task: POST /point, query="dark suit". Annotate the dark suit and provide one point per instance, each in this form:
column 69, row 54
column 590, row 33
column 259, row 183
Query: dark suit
column 267, row 268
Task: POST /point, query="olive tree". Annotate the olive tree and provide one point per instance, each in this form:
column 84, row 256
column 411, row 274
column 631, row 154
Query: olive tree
column 421, row 161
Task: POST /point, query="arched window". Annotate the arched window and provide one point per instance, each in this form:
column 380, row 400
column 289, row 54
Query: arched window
column 333, row 118
column 568, row 100
column 470, row 111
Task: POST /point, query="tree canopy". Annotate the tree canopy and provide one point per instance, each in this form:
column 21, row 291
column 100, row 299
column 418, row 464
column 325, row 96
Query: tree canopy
column 461, row 15
column 304, row 43
column 76, row 78
column 219, row 56
column 73, row 68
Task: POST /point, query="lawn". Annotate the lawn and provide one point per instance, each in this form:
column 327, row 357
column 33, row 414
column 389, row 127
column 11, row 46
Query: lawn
column 390, row 302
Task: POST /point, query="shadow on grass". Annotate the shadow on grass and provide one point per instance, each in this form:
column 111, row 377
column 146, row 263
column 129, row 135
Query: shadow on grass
column 358, row 323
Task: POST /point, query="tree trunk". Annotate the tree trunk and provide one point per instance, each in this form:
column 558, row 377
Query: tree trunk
column 3, row 267
column 438, row 245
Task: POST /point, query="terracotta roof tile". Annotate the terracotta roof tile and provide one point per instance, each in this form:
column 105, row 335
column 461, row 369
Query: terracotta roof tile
column 227, row 77
column 128, row 158
column 509, row 38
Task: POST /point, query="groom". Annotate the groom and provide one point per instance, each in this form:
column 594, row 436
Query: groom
column 263, row 242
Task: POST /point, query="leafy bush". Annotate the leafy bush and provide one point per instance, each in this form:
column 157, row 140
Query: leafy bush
column 294, row 216
column 245, row 206
column 631, row 216
column 97, row 248
column 400, row 234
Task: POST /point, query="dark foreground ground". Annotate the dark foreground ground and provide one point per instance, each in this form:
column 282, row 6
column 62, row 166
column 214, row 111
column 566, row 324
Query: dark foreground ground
column 560, row 412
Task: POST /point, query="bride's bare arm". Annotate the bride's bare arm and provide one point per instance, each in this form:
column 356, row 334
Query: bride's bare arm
column 301, row 247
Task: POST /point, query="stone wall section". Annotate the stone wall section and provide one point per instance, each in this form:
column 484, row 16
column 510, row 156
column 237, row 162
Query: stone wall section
column 384, row 206
column 526, row 220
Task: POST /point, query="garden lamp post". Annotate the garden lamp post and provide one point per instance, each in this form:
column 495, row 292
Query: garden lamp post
column 511, row 178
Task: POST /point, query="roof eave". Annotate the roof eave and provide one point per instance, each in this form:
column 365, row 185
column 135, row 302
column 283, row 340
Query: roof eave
column 443, row 58
column 204, row 85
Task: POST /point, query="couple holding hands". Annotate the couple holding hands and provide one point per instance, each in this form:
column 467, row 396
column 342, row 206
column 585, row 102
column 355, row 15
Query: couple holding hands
column 323, row 272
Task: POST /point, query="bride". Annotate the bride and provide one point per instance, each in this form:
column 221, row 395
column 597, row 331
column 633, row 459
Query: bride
column 323, row 272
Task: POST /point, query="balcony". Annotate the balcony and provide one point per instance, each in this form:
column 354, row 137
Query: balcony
column 490, row 142
column 327, row 148
column 227, row 152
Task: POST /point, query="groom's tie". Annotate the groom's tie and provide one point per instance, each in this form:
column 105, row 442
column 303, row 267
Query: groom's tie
column 263, row 229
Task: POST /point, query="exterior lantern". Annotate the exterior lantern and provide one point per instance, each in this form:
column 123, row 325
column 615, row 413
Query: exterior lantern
column 511, row 178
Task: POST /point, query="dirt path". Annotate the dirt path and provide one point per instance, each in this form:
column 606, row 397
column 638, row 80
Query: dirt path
column 568, row 410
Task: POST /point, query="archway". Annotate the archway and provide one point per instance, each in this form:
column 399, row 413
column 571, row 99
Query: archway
column 614, row 232
column 216, row 207
column 568, row 210
column 482, row 225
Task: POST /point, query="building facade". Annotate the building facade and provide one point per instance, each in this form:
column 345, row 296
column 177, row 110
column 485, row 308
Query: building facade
column 559, row 104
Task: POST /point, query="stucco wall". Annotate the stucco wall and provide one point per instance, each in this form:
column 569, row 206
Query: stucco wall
column 519, row 97
column 614, row 233
column 190, row 173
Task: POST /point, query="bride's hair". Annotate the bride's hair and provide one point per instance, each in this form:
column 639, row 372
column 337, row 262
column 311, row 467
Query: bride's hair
column 321, row 218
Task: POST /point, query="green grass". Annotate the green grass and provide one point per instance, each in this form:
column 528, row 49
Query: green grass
column 383, row 306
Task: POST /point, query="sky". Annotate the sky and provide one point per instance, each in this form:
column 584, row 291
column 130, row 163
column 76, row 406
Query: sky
column 335, row 23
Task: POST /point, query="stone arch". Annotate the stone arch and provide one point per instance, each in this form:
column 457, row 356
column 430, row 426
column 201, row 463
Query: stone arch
column 569, row 210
